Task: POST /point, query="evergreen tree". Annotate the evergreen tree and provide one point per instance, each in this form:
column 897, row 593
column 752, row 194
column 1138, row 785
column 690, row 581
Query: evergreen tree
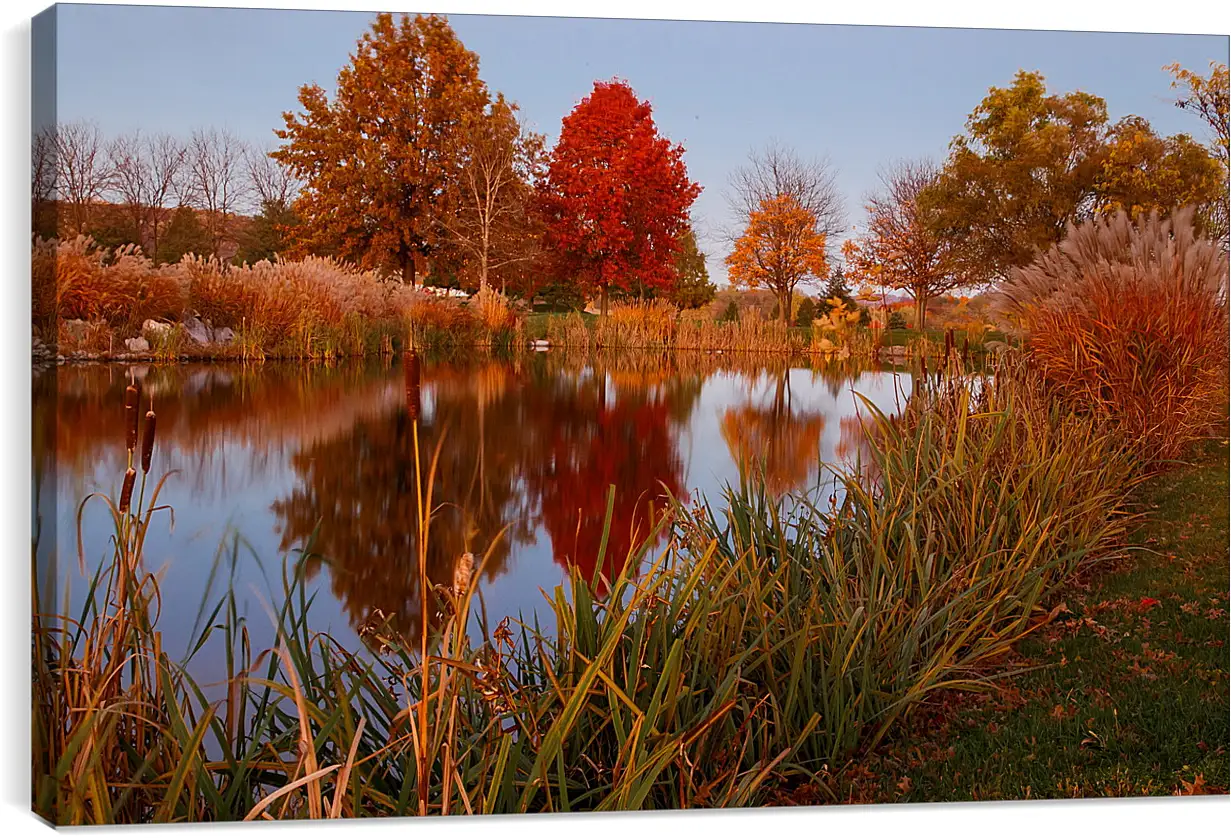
column 806, row 313
column 269, row 233
column 183, row 235
column 693, row 288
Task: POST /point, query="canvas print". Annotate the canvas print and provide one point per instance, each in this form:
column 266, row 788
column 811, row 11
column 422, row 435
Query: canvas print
column 461, row 415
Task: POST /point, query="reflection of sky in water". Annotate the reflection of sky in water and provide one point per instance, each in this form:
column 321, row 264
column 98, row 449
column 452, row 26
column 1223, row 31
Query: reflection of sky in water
column 230, row 484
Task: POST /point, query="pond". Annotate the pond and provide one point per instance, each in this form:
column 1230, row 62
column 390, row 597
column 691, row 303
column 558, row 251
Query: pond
column 287, row 454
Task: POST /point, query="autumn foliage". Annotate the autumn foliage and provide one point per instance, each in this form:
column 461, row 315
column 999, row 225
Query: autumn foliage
column 899, row 249
column 381, row 163
column 616, row 196
column 780, row 248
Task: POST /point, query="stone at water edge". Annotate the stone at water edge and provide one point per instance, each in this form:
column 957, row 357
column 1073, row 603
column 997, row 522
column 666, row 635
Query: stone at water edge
column 155, row 327
column 137, row 345
column 196, row 330
column 224, row 335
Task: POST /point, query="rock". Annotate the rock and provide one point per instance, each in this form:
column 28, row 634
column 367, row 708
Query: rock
column 137, row 345
column 224, row 335
column 540, row 345
column 76, row 329
column 156, row 327
column 197, row 330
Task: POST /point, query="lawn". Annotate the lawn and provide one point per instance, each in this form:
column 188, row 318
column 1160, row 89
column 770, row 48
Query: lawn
column 1129, row 693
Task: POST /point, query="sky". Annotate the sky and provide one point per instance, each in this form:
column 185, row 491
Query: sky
column 859, row 97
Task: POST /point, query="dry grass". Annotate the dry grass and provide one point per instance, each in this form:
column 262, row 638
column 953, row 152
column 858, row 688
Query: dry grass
column 497, row 319
column 308, row 308
column 751, row 333
column 76, row 280
column 641, row 325
column 1129, row 321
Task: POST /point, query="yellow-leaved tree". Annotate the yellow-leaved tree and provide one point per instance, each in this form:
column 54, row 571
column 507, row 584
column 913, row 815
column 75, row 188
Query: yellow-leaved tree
column 780, row 248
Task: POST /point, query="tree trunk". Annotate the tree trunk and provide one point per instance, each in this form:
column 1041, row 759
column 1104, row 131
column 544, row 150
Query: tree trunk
column 784, row 308
column 408, row 268
column 483, row 267
column 921, row 311
column 603, row 301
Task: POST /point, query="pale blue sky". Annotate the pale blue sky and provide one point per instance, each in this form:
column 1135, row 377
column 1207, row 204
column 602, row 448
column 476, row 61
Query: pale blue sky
column 862, row 96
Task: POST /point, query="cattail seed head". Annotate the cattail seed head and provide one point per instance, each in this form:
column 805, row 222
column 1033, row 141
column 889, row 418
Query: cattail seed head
column 413, row 400
column 147, row 441
column 462, row 572
column 130, row 416
column 126, row 493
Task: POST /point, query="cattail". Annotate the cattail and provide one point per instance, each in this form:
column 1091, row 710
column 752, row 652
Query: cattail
column 147, row 441
column 411, row 359
column 461, row 573
column 923, row 363
column 413, row 401
column 126, row 493
column 130, row 416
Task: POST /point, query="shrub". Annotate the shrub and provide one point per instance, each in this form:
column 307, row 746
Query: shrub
column 896, row 320
column 497, row 320
column 1129, row 322
column 441, row 321
column 730, row 314
column 806, row 312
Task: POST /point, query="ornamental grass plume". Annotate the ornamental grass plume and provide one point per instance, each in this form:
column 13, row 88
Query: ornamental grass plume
column 1128, row 321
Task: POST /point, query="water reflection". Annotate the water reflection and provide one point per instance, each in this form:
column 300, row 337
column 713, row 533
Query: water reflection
column 525, row 451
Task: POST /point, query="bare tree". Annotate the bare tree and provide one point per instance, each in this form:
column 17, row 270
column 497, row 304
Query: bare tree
column 501, row 163
column 899, row 249
column 82, row 172
column 42, row 172
column 271, row 183
column 777, row 171
column 147, row 172
column 216, row 180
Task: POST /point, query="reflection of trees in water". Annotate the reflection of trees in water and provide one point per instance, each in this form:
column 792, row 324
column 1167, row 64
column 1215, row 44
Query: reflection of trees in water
column 359, row 492
column 528, row 445
column 616, row 428
column 781, row 440
column 205, row 413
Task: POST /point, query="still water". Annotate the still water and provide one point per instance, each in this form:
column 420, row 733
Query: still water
column 281, row 454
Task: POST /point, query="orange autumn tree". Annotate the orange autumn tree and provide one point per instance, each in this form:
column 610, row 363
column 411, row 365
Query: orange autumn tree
column 780, row 248
column 899, row 249
column 381, row 163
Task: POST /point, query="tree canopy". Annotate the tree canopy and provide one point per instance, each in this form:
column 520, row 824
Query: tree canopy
column 780, row 248
column 1032, row 162
column 899, row 249
column 381, row 162
column 616, row 196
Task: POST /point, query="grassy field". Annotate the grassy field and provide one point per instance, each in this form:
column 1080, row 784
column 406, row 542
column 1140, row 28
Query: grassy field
column 1129, row 696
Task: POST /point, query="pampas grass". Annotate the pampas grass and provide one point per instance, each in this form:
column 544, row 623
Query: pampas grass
column 1129, row 322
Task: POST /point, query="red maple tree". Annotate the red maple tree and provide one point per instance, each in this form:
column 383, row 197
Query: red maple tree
column 616, row 196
